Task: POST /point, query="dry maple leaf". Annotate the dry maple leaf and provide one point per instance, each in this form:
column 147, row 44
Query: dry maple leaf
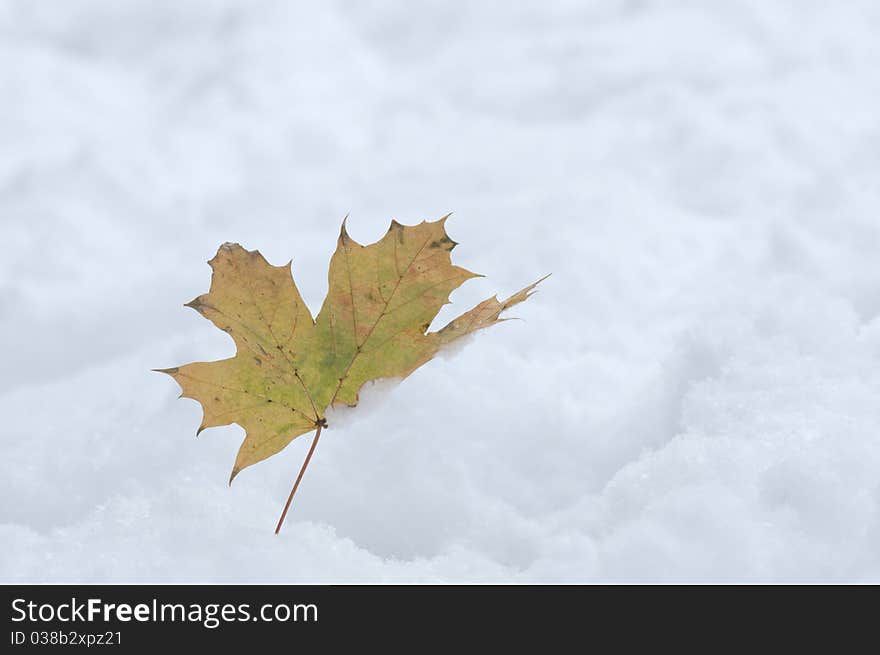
column 290, row 368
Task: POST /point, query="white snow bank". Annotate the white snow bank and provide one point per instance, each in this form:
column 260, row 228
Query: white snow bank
column 693, row 395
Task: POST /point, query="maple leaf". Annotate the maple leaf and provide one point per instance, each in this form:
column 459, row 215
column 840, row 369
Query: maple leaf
column 289, row 368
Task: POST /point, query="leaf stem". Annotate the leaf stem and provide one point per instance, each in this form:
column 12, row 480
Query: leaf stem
column 298, row 478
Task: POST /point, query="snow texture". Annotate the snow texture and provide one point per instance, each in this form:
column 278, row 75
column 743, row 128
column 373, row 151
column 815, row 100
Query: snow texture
column 694, row 395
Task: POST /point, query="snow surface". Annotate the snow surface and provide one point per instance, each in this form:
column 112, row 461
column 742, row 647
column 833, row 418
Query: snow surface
column 693, row 395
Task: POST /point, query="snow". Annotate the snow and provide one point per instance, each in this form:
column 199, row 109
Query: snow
column 694, row 395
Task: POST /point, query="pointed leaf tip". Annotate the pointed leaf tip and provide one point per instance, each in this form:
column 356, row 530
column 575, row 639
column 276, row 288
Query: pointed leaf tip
column 523, row 293
column 195, row 303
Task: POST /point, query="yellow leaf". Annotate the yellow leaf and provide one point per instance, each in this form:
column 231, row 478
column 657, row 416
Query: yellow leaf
column 289, row 368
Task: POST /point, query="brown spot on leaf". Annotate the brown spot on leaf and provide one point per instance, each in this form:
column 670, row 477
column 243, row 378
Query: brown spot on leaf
column 445, row 242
